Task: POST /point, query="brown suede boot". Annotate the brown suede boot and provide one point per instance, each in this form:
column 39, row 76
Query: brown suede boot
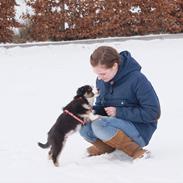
column 98, row 148
column 122, row 142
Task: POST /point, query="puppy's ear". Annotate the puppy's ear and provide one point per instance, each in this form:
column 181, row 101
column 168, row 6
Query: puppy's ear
column 80, row 92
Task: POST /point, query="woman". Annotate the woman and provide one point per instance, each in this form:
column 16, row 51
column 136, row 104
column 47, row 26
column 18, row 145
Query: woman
column 127, row 103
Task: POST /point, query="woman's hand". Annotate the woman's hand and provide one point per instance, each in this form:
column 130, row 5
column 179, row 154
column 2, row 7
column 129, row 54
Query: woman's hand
column 111, row 111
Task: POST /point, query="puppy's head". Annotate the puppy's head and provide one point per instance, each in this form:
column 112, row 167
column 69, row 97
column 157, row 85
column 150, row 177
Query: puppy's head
column 85, row 91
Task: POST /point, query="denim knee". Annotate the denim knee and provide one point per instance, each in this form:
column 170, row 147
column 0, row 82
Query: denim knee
column 103, row 130
column 87, row 133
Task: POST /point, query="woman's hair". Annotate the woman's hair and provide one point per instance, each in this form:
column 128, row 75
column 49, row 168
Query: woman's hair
column 105, row 55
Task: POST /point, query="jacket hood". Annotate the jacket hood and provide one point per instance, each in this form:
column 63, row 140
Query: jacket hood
column 128, row 65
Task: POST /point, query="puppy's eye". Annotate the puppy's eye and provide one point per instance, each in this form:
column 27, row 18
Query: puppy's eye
column 90, row 89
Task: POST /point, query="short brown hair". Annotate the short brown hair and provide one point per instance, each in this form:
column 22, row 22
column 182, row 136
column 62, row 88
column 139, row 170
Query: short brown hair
column 105, row 55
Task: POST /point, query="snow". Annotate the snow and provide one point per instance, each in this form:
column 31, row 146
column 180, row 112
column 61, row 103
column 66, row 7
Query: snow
column 22, row 9
column 36, row 82
column 135, row 9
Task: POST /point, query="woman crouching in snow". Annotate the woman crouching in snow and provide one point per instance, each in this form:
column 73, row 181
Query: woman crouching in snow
column 127, row 103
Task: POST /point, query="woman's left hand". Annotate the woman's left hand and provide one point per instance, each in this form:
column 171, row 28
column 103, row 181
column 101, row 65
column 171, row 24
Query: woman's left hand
column 111, row 111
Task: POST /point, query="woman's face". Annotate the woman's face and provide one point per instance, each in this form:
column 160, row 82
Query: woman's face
column 105, row 74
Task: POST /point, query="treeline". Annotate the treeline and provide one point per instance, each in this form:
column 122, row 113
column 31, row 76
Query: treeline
column 7, row 20
column 55, row 20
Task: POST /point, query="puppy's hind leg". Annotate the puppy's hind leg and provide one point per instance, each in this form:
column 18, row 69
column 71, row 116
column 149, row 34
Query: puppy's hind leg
column 56, row 149
column 50, row 154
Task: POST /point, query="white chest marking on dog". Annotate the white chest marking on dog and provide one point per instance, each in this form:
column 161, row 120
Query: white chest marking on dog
column 86, row 106
column 91, row 100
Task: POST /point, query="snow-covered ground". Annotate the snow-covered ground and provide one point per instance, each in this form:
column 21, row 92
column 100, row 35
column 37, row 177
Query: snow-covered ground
column 36, row 82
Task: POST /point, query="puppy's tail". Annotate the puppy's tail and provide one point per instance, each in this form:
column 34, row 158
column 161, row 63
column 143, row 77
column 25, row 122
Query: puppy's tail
column 44, row 146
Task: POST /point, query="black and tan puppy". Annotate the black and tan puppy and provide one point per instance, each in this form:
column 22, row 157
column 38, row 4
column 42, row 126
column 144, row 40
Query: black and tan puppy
column 77, row 112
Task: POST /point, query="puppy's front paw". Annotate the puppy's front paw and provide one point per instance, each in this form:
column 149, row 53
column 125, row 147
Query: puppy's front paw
column 87, row 120
column 94, row 116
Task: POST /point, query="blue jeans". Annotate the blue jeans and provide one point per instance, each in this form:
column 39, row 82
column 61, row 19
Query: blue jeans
column 106, row 128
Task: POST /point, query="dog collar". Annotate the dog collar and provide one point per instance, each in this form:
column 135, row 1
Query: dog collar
column 74, row 116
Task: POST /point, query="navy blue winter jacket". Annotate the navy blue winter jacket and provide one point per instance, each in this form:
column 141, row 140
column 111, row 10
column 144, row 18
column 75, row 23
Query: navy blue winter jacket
column 133, row 96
